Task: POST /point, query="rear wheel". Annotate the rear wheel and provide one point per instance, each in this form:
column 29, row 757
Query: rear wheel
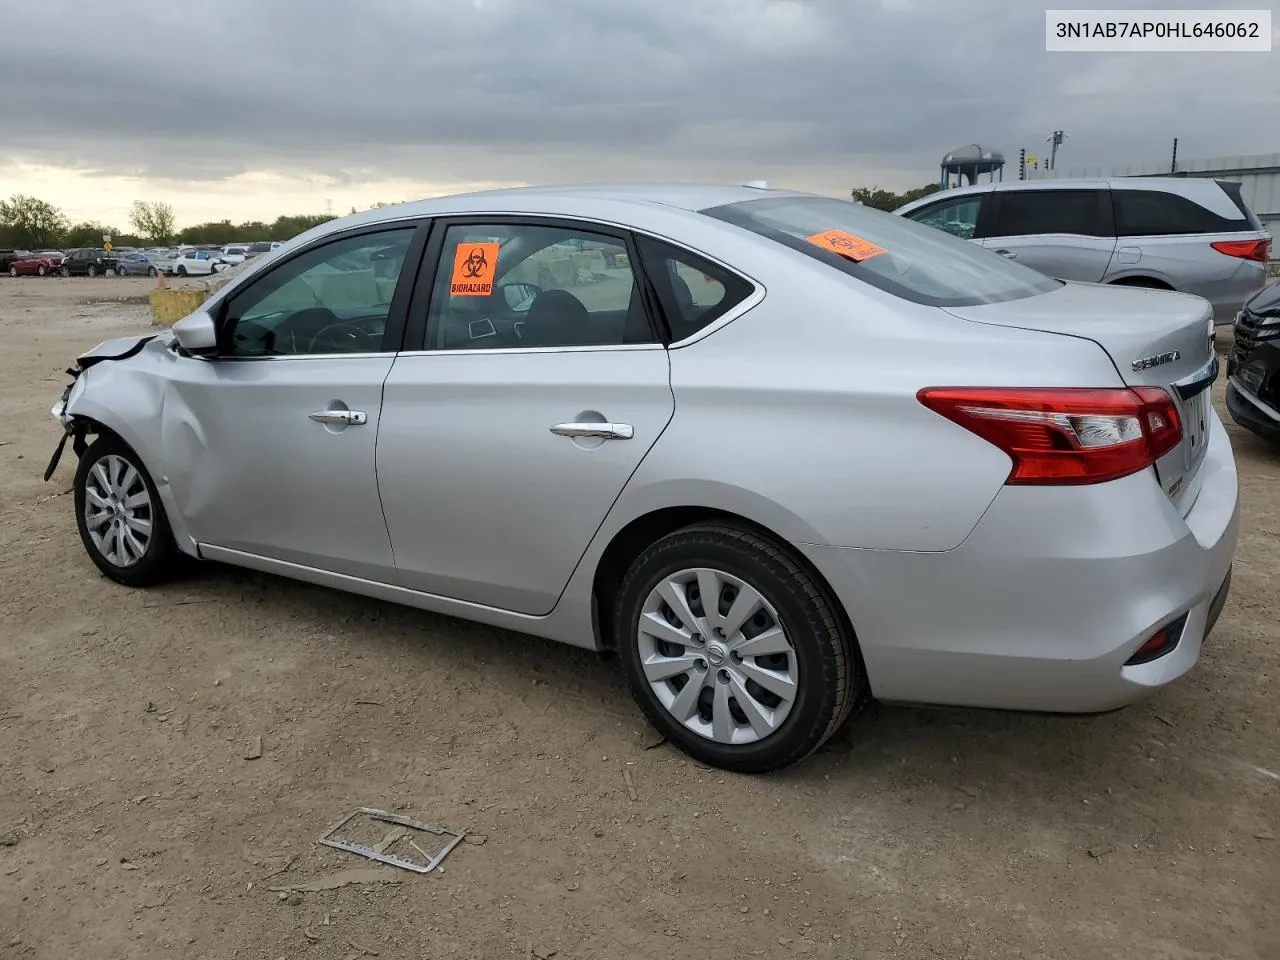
column 733, row 650
column 64, row 272
column 121, row 520
column 91, row 272
column 40, row 270
column 13, row 271
column 151, row 271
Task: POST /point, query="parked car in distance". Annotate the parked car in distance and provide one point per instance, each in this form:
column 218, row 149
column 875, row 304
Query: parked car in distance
column 192, row 262
column 256, row 249
column 89, row 262
column 1173, row 233
column 785, row 454
column 234, row 255
column 135, row 265
column 1253, row 366
column 162, row 259
column 8, row 256
column 43, row 264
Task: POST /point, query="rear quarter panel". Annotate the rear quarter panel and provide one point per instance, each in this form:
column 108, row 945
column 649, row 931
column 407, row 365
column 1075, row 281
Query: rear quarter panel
column 802, row 416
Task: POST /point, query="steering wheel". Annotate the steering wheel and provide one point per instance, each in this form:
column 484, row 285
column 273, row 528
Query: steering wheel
column 342, row 337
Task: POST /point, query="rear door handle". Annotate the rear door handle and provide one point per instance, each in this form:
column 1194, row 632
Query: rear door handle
column 349, row 418
column 1008, row 254
column 604, row 431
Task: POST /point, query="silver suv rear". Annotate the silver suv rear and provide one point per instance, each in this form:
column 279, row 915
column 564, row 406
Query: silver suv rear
column 1175, row 233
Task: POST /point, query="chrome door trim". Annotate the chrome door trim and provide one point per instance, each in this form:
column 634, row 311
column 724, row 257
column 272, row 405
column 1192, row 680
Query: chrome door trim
column 595, row 430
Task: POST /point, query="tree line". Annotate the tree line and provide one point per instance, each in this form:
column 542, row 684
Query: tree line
column 887, row 199
column 29, row 223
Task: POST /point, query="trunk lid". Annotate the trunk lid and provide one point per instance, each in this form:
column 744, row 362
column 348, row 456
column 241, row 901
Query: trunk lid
column 1154, row 338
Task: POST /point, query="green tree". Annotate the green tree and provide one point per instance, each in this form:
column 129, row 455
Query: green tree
column 28, row 223
column 888, row 200
column 90, row 235
column 154, row 220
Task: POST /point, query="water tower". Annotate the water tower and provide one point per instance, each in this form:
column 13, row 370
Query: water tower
column 966, row 164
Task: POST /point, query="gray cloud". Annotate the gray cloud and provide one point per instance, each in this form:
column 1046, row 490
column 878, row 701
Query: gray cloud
column 816, row 92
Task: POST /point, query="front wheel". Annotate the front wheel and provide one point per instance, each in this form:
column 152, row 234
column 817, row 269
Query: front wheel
column 91, row 272
column 182, row 271
column 733, row 650
column 121, row 520
column 40, row 271
column 151, row 271
column 13, row 271
column 64, row 272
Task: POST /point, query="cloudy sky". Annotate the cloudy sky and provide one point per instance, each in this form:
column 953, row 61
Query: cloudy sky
column 253, row 108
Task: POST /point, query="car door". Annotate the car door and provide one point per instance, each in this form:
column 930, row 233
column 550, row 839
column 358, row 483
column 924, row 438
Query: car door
column 1064, row 232
column 272, row 441
column 537, row 388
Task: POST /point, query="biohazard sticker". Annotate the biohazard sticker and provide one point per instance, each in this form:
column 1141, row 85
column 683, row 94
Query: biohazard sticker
column 474, row 265
column 846, row 244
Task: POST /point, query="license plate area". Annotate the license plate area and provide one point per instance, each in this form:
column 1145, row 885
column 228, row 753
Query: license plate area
column 1196, row 415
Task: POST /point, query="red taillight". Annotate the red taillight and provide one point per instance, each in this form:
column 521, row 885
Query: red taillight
column 1259, row 250
column 1065, row 435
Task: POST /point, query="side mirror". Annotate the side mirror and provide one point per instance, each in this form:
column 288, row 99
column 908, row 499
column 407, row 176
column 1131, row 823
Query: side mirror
column 197, row 334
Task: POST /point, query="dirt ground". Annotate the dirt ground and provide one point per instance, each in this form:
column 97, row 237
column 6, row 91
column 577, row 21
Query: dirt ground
column 133, row 826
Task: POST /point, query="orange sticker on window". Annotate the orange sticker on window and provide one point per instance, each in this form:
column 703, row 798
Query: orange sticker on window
column 474, row 265
column 846, row 244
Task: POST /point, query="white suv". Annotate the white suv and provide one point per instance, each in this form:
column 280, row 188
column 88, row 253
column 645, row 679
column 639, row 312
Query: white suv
column 1171, row 233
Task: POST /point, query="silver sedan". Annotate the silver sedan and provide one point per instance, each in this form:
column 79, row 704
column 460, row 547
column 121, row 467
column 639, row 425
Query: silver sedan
column 779, row 453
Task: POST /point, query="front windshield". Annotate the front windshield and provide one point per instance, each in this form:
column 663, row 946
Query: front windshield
column 897, row 255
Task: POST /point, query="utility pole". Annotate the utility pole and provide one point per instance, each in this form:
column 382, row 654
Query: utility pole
column 1173, row 164
column 1054, row 141
column 1022, row 164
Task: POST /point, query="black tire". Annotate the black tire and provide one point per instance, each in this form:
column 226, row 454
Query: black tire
column 182, row 270
column 13, row 271
column 40, row 271
column 64, row 272
column 91, row 271
column 151, row 271
column 829, row 682
column 160, row 559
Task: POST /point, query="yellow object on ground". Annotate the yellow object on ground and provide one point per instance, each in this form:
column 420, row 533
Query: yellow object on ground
column 168, row 306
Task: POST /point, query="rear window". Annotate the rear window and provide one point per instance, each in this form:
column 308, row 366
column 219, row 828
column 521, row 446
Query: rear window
column 897, row 255
column 1155, row 213
column 1232, row 190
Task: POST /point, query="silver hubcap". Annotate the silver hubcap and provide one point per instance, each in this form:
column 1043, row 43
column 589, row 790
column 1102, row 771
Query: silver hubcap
column 716, row 656
column 117, row 511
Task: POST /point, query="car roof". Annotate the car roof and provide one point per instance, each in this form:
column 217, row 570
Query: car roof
column 1202, row 190
column 586, row 200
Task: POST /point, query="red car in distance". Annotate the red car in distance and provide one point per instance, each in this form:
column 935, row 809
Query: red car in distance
column 41, row 264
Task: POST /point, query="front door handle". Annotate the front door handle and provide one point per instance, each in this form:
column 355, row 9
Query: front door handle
column 1008, row 254
column 346, row 418
column 603, row 431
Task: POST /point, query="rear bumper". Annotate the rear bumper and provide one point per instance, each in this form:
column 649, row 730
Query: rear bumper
column 1043, row 604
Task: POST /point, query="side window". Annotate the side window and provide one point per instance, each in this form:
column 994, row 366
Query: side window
column 508, row 286
column 958, row 217
column 1021, row 213
column 694, row 292
column 330, row 299
column 1152, row 213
